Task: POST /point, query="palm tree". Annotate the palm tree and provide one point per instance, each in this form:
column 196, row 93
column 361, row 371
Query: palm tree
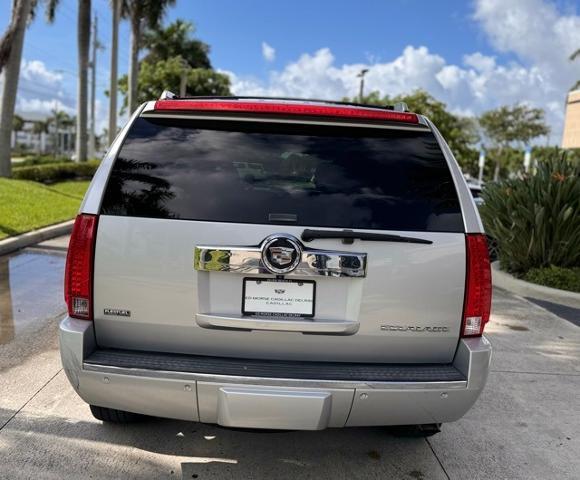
column 61, row 120
column 141, row 13
column 17, row 126
column 175, row 40
column 83, row 45
column 17, row 123
column 11, row 45
column 10, row 56
column 112, row 130
column 39, row 127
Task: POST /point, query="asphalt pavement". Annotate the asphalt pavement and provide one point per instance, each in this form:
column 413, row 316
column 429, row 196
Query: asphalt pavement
column 524, row 426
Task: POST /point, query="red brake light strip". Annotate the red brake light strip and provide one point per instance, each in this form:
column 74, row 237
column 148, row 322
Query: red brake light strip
column 286, row 109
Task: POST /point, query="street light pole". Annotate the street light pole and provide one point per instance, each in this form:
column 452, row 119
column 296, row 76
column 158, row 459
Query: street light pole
column 361, row 75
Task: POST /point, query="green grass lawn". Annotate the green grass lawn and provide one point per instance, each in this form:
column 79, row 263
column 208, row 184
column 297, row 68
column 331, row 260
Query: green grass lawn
column 26, row 206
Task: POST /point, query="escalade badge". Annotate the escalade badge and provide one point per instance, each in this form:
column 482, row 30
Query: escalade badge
column 281, row 253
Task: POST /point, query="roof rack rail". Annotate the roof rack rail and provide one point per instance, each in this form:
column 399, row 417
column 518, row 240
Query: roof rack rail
column 167, row 95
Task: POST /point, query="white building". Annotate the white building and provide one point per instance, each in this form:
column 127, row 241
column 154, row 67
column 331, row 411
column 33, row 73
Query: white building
column 42, row 142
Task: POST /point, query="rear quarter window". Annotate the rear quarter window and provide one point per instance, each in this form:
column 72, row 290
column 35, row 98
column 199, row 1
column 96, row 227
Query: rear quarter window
column 275, row 173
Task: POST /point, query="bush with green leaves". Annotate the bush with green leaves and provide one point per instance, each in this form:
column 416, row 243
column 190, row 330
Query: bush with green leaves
column 535, row 218
column 40, row 160
column 56, row 172
column 555, row 277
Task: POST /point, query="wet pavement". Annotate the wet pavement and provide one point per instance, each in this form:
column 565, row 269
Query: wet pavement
column 30, row 292
column 525, row 424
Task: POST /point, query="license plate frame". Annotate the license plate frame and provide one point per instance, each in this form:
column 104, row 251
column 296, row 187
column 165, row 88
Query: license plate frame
column 285, row 314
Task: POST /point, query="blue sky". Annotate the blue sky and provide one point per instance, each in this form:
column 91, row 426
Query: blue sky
column 473, row 55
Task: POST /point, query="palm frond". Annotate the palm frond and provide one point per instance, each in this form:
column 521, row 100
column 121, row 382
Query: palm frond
column 50, row 10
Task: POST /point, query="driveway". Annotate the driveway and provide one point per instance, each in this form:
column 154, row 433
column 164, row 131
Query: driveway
column 525, row 425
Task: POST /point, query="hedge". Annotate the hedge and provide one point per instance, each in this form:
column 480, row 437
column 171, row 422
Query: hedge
column 32, row 160
column 56, row 172
column 555, row 277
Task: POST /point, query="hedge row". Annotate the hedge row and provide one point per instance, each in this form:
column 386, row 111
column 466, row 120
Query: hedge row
column 56, row 172
column 32, row 160
column 555, row 277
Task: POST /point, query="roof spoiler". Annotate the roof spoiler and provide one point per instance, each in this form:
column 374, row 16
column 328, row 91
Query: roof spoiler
column 397, row 107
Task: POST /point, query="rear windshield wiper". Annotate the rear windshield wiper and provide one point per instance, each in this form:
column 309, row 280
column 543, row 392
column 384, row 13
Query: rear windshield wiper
column 348, row 236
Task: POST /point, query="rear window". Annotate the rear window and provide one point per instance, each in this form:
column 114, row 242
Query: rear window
column 275, row 173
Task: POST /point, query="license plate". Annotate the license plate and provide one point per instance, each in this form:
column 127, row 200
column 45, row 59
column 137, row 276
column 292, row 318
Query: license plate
column 284, row 298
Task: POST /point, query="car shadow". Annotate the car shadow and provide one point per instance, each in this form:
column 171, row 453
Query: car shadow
column 158, row 448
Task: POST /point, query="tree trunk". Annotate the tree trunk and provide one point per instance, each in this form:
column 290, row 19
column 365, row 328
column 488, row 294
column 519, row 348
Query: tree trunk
column 134, row 60
column 115, row 5
column 83, row 39
column 92, row 143
column 10, row 74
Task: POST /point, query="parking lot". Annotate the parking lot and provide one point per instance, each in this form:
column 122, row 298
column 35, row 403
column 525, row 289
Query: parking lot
column 525, row 424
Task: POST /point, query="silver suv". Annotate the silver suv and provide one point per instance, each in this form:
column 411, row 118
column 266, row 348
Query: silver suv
column 278, row 263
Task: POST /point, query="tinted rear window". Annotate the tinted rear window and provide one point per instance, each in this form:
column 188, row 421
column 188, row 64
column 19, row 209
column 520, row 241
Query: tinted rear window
column 250, row 172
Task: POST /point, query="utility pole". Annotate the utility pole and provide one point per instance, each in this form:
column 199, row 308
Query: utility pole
column 361, row 75
column 56, row 139
column 93, row 88
column 116, row 6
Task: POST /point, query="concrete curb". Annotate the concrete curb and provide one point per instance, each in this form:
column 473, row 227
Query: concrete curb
column 512, row 284
column 30, row 238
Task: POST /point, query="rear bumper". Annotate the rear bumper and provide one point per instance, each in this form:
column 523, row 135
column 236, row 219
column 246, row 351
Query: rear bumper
column 281, row 395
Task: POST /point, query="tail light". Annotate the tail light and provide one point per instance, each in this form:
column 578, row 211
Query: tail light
column 477, row 286
column 366, row 113
column 78, row 277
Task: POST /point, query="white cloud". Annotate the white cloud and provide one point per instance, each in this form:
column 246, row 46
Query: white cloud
column 268, row 52
column 43, row 107
column 476, row 84
column 35, row 71
column 41, row 89
column 540, row 37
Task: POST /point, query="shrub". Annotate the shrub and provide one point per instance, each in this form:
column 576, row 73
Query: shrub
column 41, row 160
column 56, row 172
column 536, row 218
column 555, row 277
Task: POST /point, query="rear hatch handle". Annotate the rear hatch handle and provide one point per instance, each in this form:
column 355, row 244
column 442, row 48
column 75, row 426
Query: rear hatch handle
column 348, row 236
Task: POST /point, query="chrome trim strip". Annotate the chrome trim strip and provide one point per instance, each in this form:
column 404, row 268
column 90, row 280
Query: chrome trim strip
column 278, row 325
column 270, row 382
column 248, row 260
